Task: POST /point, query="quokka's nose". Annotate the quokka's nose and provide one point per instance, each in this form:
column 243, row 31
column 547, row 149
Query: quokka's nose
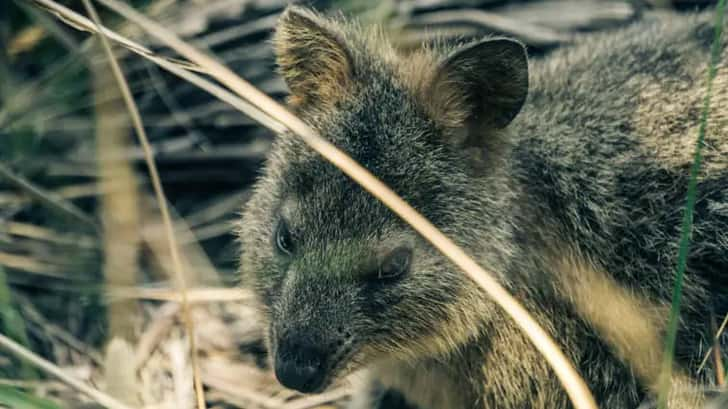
column 300, row 365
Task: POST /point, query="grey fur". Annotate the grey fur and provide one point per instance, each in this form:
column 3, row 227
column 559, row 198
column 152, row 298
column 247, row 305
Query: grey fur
column 571, row 173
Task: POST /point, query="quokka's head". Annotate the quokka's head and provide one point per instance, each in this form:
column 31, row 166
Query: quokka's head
column 341, row 280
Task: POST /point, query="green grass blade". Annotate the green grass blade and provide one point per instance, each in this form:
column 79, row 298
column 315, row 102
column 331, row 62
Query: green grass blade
column 11, row 324
column 687, row 222
column 14, row 398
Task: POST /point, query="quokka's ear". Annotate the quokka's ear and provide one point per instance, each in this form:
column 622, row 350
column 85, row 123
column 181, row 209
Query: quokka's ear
column 482, row 85
column 312, row 57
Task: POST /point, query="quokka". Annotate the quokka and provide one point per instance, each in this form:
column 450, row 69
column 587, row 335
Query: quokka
column 566, row 176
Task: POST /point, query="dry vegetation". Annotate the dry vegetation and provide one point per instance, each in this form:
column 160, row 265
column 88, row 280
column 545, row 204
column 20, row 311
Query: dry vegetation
column 87, row 275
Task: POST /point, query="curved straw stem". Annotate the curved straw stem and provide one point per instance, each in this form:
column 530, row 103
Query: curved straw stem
column 573, row 383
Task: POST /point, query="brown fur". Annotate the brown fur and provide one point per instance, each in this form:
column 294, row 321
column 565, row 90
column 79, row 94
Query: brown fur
column 627, row 320
column 315, row 66
column 669, row 109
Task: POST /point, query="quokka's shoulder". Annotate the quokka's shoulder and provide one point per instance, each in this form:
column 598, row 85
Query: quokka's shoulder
column 642, row 86
column 670, row 87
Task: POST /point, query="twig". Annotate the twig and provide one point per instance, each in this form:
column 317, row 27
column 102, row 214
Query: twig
column 161, row 198
column 46, row 197
column 27, row 355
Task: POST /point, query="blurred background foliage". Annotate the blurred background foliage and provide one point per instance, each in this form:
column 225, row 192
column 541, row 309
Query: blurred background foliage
column 60, row 213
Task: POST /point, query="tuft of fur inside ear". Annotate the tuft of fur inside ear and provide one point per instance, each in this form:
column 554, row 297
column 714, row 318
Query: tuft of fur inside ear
column 483, row 84
column 312, row 57
column 474, row 93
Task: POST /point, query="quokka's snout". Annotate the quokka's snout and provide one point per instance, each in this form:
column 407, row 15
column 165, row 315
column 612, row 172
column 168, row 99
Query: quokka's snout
column 306, row 360
column 300, row 362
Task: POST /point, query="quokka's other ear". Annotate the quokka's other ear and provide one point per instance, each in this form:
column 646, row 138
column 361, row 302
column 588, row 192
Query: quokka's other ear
column 312, row 57
column 483, row 84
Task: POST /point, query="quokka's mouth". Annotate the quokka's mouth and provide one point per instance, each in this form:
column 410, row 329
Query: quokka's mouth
column 307, row 361
column 311, row 377
column 301, row 371
column 305, row 378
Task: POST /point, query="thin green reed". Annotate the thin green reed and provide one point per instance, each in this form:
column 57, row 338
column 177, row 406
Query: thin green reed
column 11, row 324
column 17, row 399
column 687, row 222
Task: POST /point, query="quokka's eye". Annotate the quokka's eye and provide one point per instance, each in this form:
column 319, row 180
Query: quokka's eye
column 396, row 263
column 283, row 239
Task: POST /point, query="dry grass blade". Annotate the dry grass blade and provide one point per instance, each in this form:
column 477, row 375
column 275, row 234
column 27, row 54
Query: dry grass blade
column 120, row 371
column 318, row 400
column 48, row 24
column 573, row 383
column 46, row 385
column 30, row 264
column 194, row 295
column 56, row 332
column 719, row 368
column 27, row 355
column 46, row 198
column 243, row 395
column 119, row 207
column 161, row 198
column 36, row 232
column 710, row 350
column 223, row 95
column 181, row 69
column 722, row 328
column 199, row 270
column 83, row 24
column 161, row 323
column 529, row 32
